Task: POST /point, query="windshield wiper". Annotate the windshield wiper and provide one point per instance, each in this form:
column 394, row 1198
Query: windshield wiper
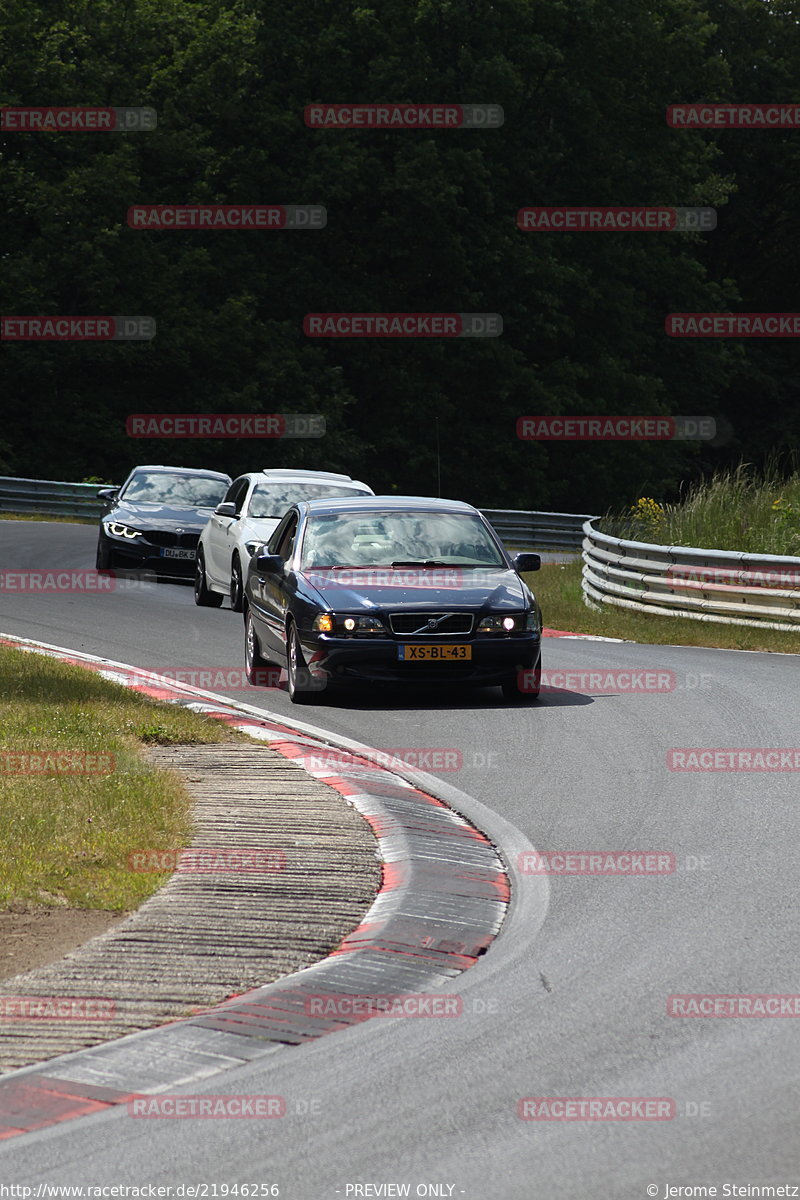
column 421, row 562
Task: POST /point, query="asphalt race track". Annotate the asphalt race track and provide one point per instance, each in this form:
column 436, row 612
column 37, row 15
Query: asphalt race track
column 575, row 1008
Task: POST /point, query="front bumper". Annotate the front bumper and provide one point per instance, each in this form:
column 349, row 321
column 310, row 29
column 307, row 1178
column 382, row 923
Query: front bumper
column 140, row 555
column 494, row 659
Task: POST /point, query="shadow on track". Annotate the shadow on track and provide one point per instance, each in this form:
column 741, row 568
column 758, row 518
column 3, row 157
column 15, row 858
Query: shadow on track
column 402, row 697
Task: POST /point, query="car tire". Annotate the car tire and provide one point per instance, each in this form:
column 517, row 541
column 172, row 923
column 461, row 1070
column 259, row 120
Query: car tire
column 301, row 685
column 237, row 588
column 257, row 668
column 203, row 596
column 103, row 560
column 511, row 689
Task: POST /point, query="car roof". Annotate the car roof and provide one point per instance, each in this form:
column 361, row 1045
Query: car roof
column 369, row 504
column 180, row 470
column 307, row 477
column 301, row 473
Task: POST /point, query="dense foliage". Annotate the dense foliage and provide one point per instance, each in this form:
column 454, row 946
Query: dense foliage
column 418, row 221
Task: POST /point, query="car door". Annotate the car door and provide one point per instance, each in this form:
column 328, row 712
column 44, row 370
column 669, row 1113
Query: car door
column 240, row 527
column 272, row 593
column 217, row 539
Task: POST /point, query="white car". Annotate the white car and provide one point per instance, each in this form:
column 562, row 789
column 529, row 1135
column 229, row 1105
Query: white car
column 245, row 519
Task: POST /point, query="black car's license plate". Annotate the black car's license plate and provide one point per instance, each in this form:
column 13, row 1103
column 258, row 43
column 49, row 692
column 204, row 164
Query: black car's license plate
column 175, row 552
column 453, row 653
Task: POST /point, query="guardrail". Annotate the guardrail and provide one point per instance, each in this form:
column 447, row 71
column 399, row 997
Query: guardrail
column 50, row 498
column 724, row 586
column 545, row 530
column 47, row 497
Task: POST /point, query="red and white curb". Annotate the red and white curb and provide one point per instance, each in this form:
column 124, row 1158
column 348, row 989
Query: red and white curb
column 444, row 895
column 581, row 637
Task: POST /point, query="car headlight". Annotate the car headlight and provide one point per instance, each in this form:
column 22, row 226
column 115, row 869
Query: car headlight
column 123, row 531
column 507, row 623
column 347, row 626
column 363, row 625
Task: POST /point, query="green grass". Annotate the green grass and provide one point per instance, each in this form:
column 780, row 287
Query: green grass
column 740, row 509
column 558, row 590
column 65, row 838
column 8, row 516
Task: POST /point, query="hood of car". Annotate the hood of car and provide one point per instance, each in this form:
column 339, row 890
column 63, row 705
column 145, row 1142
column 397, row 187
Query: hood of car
column 355, row 589
column 260, row 528
column 159, row 516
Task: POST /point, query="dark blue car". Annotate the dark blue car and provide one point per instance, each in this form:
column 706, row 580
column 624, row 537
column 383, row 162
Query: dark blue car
column 391, row 589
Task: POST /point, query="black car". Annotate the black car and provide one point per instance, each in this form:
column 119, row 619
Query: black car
column 387, row 588
column 154, row 521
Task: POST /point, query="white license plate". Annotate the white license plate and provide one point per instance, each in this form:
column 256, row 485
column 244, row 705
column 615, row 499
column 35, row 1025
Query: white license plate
column 174, row 552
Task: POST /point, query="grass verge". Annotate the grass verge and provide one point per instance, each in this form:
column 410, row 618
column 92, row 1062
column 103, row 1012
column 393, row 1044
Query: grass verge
column 65, row 837
column 740, row 509
column 9, row 516
column 558, row 590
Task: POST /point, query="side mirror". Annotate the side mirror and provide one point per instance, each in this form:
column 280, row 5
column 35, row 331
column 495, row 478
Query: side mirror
column 270, row 564
column 108, row 494
column 526, row 562
column 225, row 509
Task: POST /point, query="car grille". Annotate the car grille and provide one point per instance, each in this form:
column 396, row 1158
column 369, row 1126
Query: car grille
column 416, row 624
column 159, row 538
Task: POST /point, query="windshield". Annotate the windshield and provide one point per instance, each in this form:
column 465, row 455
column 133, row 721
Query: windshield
column 178, row 491
column 271, row 500
column 383, row 539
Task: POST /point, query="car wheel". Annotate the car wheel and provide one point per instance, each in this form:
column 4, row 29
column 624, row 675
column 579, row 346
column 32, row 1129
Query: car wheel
column 237, row 593
column 203, row 596
column 301, row 685
column 103, row 560
column 531, row 685
column 256, row 666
